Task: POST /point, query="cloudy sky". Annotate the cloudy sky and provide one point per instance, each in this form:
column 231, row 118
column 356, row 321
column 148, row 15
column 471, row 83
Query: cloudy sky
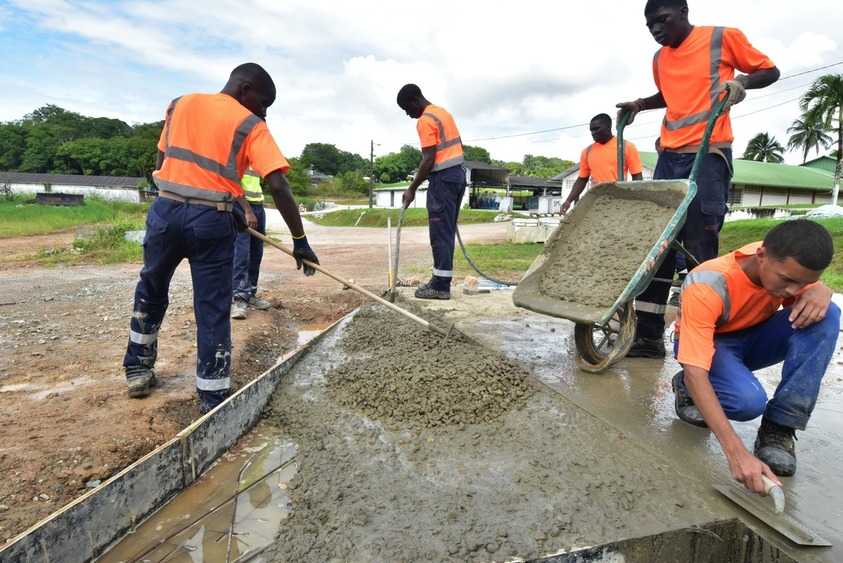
column 520, row 77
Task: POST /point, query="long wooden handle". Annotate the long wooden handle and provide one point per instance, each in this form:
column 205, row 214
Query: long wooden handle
column 349, row 284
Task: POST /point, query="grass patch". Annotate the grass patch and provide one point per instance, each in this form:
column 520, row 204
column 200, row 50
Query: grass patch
column 504, row 261
column 413, row 217
column 738, row 233
column 19, row 218
column 105, row 245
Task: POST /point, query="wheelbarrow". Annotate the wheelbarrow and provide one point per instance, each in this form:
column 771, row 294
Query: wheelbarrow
column 600, row 258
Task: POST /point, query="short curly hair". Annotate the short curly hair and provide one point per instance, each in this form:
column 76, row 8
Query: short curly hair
column 805, row 241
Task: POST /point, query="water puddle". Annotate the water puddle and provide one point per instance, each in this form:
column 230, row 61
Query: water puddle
column 309, row 332
column 230, row 514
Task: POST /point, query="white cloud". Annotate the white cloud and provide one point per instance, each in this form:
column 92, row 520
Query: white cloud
column 504, row 69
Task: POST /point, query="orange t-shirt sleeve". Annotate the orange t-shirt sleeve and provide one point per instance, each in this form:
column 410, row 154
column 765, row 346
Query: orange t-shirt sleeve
column 428, row 132
column 263, row 153
column 585, row 171
column 701, row 307
column 740, row 54
column 632, row 159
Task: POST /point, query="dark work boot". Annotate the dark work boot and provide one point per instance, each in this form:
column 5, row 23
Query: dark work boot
column 685, row 408
column 140, row 380
column 775, row 446
column 646, row 348
column 428, row 292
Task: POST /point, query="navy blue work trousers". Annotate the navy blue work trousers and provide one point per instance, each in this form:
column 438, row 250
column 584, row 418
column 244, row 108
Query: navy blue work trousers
column 248, row 253
column 700, row 234
column 205, row 236
column 806, row 353
column 445, row 191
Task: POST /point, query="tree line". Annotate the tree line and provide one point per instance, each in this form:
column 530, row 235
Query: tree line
column 57, row 141
column 822, row 116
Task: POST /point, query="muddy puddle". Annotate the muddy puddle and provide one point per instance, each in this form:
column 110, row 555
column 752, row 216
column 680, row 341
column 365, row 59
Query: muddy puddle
column 231, row 513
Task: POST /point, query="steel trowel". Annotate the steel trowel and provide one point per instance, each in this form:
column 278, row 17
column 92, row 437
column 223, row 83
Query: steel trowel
column 775, row 518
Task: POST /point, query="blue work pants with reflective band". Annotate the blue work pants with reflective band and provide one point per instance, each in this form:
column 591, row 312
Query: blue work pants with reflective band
column 806, row 353
column 248, row 253
column 205, row 236
column 445, row 190
column 700, row 234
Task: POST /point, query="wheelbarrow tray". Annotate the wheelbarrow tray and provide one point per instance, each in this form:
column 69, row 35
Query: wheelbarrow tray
column 587, row 224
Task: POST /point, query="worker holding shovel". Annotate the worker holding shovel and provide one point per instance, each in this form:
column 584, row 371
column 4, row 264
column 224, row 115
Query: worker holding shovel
column 207, row 143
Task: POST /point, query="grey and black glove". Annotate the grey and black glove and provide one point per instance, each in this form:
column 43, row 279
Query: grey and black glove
column 240, row 222
column 302, row 251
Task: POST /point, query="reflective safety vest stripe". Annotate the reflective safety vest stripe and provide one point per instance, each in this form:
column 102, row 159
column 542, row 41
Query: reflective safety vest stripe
column 251, row 183
column 449, row 149
column 715, row 54
column 226, row 170
column 717, row 282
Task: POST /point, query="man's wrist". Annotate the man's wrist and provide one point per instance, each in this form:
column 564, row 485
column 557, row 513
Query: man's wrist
column 642, row 105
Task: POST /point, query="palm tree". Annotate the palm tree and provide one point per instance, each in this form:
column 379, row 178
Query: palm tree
column 764, row 148
column 806, row 136
column 823, row 103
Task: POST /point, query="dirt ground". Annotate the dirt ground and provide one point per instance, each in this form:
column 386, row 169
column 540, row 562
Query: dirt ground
column 67, row 421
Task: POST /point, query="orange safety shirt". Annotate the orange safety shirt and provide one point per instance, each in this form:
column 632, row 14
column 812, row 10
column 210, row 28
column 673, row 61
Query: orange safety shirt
column 600, row 161
column 208, row 141
column 717, row 297
column 437, row 128
column 690, row 75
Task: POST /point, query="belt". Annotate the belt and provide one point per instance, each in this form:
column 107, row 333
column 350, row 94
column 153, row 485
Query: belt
column 220, row 205
column 713, row 148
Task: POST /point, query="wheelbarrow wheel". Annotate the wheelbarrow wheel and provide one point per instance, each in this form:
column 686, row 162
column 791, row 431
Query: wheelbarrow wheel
column 600, row 346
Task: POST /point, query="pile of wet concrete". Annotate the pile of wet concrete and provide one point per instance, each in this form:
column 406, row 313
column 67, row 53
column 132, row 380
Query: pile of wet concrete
column 414, row 448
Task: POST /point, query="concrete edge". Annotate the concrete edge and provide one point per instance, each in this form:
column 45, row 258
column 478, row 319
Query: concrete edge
column 86, row 527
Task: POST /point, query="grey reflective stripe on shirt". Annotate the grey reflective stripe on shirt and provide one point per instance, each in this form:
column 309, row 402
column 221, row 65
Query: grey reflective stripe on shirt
column 444, row 144
column 715, row 56
column 228, row 170
column 717, row 282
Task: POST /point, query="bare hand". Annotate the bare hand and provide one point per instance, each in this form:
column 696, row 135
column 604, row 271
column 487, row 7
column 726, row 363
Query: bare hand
column 251, row 218
column 563, row 209
column 747, row 470
column 632, row 107
column 810, row 306
column 408, row 197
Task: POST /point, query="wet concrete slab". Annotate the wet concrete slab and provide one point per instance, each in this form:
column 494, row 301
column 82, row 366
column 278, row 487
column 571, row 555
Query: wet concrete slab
column 635, row 398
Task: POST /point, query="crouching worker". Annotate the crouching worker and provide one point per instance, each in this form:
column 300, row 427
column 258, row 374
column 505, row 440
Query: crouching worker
column 747, row 310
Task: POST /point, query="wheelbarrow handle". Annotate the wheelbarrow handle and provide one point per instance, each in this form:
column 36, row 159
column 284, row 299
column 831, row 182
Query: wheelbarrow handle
column 622, row 121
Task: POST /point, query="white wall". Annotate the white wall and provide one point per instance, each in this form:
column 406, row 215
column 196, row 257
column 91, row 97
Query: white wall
column 130, row 195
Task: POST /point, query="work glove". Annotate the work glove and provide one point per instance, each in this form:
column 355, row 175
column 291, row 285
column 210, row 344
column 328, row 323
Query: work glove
column 737, row 90
column 302, row 251
column 239, row 220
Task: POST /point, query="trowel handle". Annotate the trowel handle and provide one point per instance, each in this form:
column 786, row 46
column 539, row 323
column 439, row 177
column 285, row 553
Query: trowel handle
column 768, row 484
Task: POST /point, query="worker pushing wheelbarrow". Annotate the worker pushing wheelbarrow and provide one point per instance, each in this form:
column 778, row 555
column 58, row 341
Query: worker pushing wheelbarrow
column 603, row 255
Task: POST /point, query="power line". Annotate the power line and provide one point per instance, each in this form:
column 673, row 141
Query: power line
column 497, row 137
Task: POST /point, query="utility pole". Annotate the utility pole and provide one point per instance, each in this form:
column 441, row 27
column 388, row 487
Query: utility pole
column 371, row 173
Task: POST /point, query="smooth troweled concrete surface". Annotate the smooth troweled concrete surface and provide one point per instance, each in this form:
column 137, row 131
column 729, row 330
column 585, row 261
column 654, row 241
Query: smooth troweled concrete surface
column 635, row 397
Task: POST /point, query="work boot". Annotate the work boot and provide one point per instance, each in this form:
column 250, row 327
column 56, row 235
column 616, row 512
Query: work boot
column 140, row 380
column 259, row 304
column 238, row 309
column 775, row 446
column 683, row 403
column 646, row 348
column 427, row 292
column 209, row 400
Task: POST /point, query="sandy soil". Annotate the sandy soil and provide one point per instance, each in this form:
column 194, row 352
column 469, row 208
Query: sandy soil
column 67, row 421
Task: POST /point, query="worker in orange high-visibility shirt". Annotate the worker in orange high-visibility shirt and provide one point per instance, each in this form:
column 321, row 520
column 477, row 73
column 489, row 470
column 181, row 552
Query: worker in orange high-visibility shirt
column 441, row 166
column 692, row 70
column 599, row 160
column 207, row 143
